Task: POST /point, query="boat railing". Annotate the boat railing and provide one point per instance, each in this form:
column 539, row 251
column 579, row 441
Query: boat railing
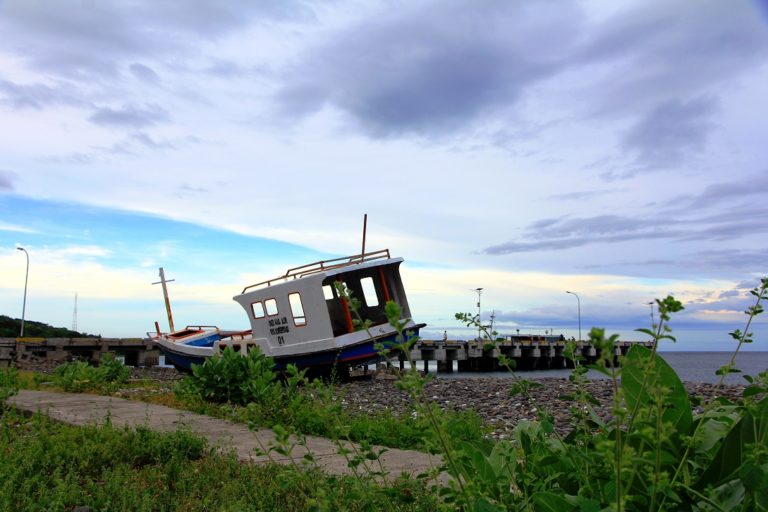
column 321, row 266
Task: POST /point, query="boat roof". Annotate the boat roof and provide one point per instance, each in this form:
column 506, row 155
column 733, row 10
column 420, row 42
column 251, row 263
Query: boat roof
column 329, row 267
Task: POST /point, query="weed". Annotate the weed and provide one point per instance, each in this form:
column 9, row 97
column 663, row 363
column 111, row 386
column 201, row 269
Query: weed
column 655, row 454
column 232, row 378
column 79, row 376
column 9, row 383
column 119, row 469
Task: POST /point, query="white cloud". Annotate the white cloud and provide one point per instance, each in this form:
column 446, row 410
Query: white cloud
column 89, row 250
column 471, row 135
column 15, row 228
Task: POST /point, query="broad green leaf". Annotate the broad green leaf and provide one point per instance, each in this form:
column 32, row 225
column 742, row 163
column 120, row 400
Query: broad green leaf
column 551, row 502
column 714, row 430
column 588, row 505
column 677, row 407
column 734, row 449
column 482, row 467
column 728, row 496
column 483, row 505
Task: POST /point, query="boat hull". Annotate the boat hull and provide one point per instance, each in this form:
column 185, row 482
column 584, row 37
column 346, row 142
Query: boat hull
column 366, row 352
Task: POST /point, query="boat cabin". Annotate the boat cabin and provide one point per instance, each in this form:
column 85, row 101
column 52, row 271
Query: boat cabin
column 302, row 312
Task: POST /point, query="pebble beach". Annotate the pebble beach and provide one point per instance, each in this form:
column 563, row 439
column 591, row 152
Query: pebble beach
column 489, row 397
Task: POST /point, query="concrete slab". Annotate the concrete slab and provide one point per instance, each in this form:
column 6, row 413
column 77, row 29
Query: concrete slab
column 249, row 445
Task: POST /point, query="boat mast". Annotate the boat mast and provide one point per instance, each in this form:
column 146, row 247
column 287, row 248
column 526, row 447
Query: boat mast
column 365, row 227
column 163, row 281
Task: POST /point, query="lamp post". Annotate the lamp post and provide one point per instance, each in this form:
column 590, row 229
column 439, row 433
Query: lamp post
column 578, row 304
column 24, row 304
column 479, row 313
column 653, row 320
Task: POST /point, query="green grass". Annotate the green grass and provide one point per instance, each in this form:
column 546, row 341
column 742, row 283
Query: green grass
column 50, row 466
column 655, row 452
column 246, row 389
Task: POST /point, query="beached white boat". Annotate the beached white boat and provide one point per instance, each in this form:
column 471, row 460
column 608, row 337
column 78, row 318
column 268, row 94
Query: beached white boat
column 300, row 318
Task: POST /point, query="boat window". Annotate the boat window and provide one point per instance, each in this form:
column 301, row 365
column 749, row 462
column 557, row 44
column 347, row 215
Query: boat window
column 297, row 309
column 328, row 292
column 369, row 292
column 258, row 309
column 271, row 305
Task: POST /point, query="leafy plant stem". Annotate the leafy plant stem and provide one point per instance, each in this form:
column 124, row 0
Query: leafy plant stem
column 760, row 293
column 665, row 306
column 619, row 445
column 395, row 321
column 751, row 314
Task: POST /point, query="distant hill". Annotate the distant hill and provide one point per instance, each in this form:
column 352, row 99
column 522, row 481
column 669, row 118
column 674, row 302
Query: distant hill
column 10, row 328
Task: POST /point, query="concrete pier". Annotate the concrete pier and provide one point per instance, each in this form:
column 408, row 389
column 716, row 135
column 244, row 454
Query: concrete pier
column 527, row 353
column 135, row 351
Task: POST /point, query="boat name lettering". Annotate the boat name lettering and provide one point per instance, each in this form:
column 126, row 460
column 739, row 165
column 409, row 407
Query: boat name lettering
column 279, row 330
column 278, row 321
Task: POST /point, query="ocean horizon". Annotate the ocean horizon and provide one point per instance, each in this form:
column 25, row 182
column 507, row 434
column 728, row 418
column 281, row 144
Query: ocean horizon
column 690, row 366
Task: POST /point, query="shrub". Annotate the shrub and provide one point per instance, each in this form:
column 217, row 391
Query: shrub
column 232, row 378
column 74, row 377
column 79, row 376
column 112, row 371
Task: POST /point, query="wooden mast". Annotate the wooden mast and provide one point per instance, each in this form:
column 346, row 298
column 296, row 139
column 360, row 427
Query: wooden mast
column 163, row 281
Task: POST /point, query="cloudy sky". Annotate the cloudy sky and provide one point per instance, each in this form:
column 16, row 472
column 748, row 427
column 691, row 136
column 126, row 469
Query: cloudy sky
column 614, row 149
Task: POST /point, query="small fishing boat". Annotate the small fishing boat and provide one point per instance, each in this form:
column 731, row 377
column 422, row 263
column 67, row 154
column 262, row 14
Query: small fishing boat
column 303, row 317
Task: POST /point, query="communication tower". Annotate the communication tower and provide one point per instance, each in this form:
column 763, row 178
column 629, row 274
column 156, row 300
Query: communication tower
column 74, row 315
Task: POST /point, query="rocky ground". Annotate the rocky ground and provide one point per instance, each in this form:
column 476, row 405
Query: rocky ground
column 489, row 397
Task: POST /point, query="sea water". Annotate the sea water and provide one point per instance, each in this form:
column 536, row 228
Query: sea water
column 690, row 367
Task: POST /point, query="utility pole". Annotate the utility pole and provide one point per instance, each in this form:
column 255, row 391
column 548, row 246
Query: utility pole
column 24, row 304
column 74, row 315
column 163, row 281
column 479, row 314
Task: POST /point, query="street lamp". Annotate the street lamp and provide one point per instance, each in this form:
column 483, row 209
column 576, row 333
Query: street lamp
column 24, row 304
column 578, row 304
column 479, row 317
